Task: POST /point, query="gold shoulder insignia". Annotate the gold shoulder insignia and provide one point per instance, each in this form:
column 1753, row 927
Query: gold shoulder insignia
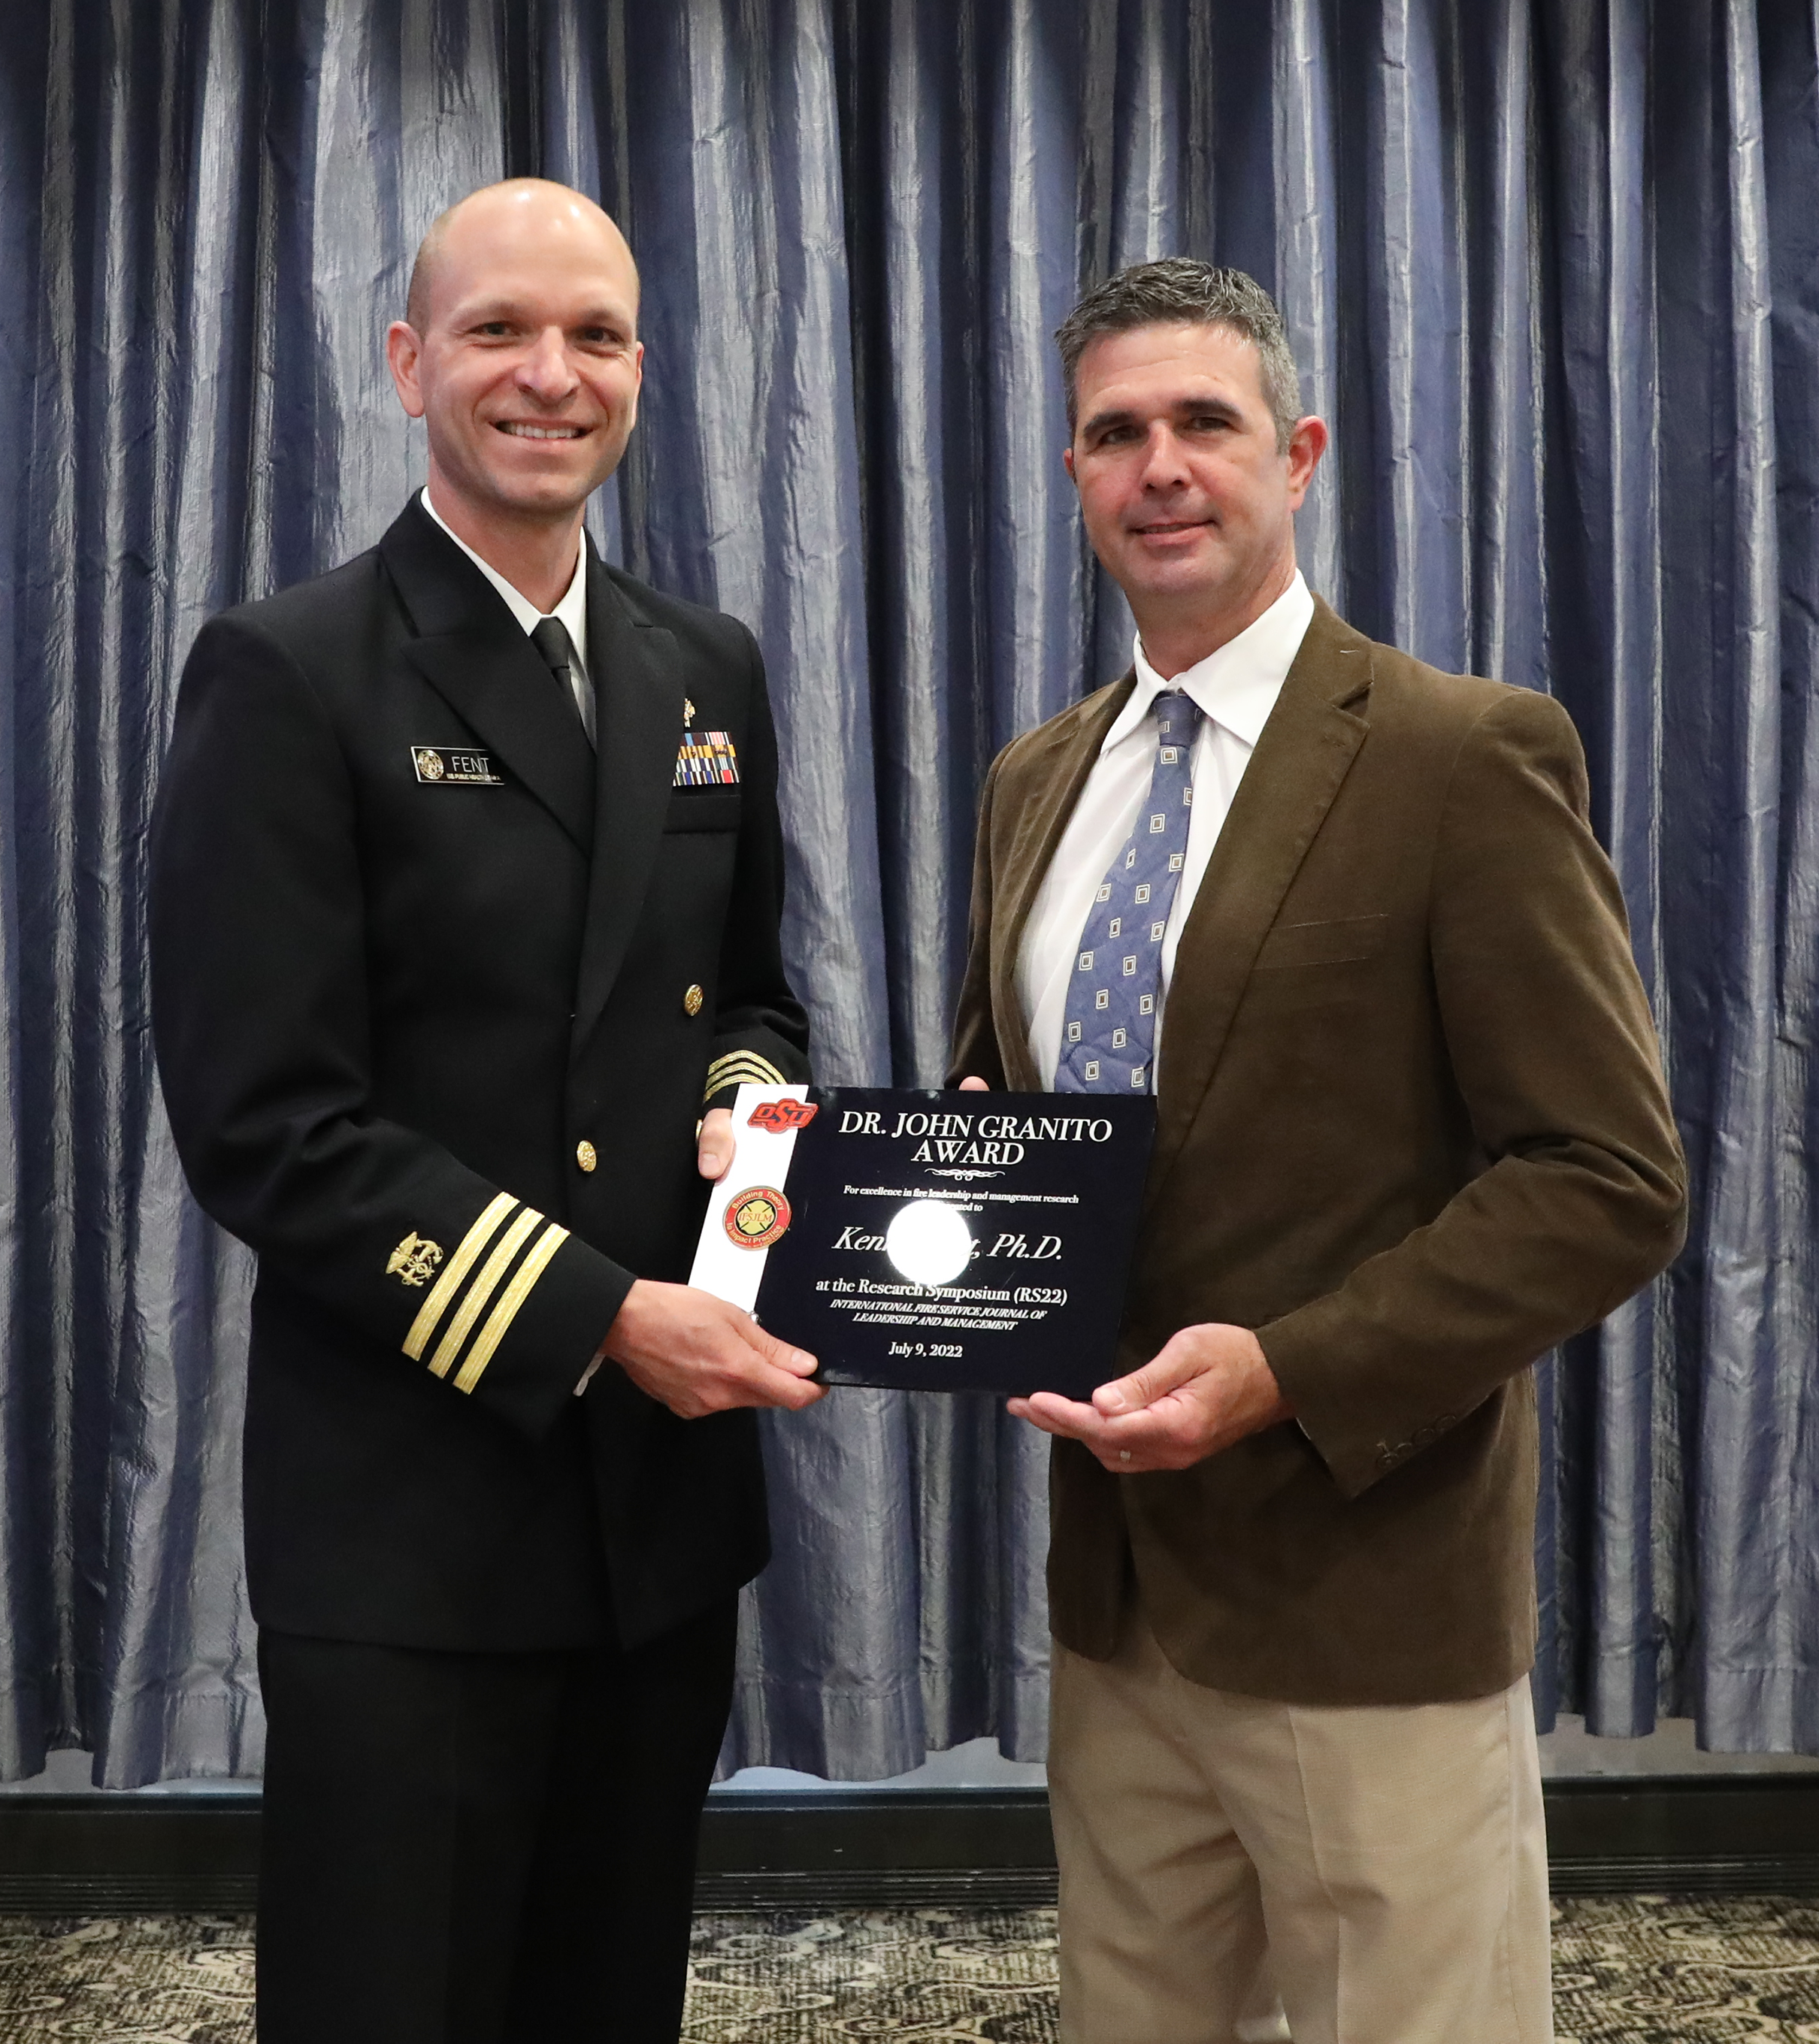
column 414, row 1260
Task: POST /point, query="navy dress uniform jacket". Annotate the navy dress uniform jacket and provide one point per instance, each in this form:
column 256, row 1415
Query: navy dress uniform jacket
column 438, row 1000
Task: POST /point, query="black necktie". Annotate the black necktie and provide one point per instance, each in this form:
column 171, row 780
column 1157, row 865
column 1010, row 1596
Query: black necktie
column 550, row 636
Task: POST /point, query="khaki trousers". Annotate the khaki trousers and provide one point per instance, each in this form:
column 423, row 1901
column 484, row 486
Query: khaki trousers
column 1383, row 1870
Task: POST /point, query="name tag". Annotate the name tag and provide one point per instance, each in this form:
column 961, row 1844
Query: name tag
column 707, row 760
column 439, row 766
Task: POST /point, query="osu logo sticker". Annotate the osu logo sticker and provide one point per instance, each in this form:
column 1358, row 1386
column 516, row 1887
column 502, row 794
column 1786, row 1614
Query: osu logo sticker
column 755, row 1219
column 781, row 1116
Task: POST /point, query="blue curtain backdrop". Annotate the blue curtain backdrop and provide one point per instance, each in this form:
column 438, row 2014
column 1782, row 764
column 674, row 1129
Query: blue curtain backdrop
column 1552, row 270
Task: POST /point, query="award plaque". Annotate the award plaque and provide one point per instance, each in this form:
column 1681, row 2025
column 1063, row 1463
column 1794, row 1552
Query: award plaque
column 933, row 1241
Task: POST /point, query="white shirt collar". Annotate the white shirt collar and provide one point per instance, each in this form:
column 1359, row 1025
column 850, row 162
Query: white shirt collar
column 572, row 608
column 1236, row 685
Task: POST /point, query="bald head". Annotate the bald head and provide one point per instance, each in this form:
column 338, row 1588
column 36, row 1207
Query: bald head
column 518, row 206
column 521, row 356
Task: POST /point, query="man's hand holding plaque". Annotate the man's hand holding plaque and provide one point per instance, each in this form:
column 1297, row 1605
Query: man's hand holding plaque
column 1206, row 1387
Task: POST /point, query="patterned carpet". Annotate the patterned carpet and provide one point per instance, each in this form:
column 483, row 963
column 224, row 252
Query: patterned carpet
column 1717, row 1970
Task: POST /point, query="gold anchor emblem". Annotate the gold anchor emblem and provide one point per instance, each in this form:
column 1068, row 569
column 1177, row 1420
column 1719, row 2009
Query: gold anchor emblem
column 414, row 1260
column 688, row 710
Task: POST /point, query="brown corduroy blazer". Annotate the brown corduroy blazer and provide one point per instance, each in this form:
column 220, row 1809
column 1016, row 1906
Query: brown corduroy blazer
column 1411, row 1128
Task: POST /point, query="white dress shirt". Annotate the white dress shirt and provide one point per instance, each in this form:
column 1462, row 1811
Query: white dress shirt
column 1235, row 688
column 572, row 608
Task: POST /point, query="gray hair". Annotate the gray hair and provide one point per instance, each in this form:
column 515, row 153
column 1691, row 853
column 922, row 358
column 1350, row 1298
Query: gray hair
column 1178, row 290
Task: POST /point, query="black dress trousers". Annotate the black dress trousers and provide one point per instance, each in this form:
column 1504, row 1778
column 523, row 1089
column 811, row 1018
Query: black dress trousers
column 484, row 1848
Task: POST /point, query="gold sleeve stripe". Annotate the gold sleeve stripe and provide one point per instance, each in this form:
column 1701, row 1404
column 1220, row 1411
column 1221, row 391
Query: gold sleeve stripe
column 748, row 1057
column 741, row 1067
column 449, row 1283
column 720, row 1088
column 481, row 1289
column 524, row 1278
column 722, row 1081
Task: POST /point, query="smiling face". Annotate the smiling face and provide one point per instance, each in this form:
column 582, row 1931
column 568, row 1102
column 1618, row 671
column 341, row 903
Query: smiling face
column 1187, row 498
column 524, row 360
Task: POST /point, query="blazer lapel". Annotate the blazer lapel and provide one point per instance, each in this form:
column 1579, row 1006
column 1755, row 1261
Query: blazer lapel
column 1071, row 745
column 472, row 652
column 1301, row 758
column 638, row 726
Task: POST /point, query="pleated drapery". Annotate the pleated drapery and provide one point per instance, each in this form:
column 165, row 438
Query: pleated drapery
column 1551, row 268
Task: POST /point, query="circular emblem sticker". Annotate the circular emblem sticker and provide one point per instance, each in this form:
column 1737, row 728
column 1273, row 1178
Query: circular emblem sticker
column 755, row 1219
column 429, row 765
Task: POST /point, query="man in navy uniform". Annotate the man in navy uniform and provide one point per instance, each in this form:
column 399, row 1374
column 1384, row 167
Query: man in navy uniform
column 453, row 953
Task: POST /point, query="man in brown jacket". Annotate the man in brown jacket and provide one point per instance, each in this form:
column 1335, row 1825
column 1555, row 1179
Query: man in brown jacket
column 1411, row 1132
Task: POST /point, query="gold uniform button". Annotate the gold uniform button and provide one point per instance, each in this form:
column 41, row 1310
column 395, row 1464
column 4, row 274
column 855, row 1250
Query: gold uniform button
column 692, row 1000
column 585, row 1155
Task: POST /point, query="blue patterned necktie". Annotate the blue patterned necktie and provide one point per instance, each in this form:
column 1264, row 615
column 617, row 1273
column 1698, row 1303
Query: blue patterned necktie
column 1108, row 1034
